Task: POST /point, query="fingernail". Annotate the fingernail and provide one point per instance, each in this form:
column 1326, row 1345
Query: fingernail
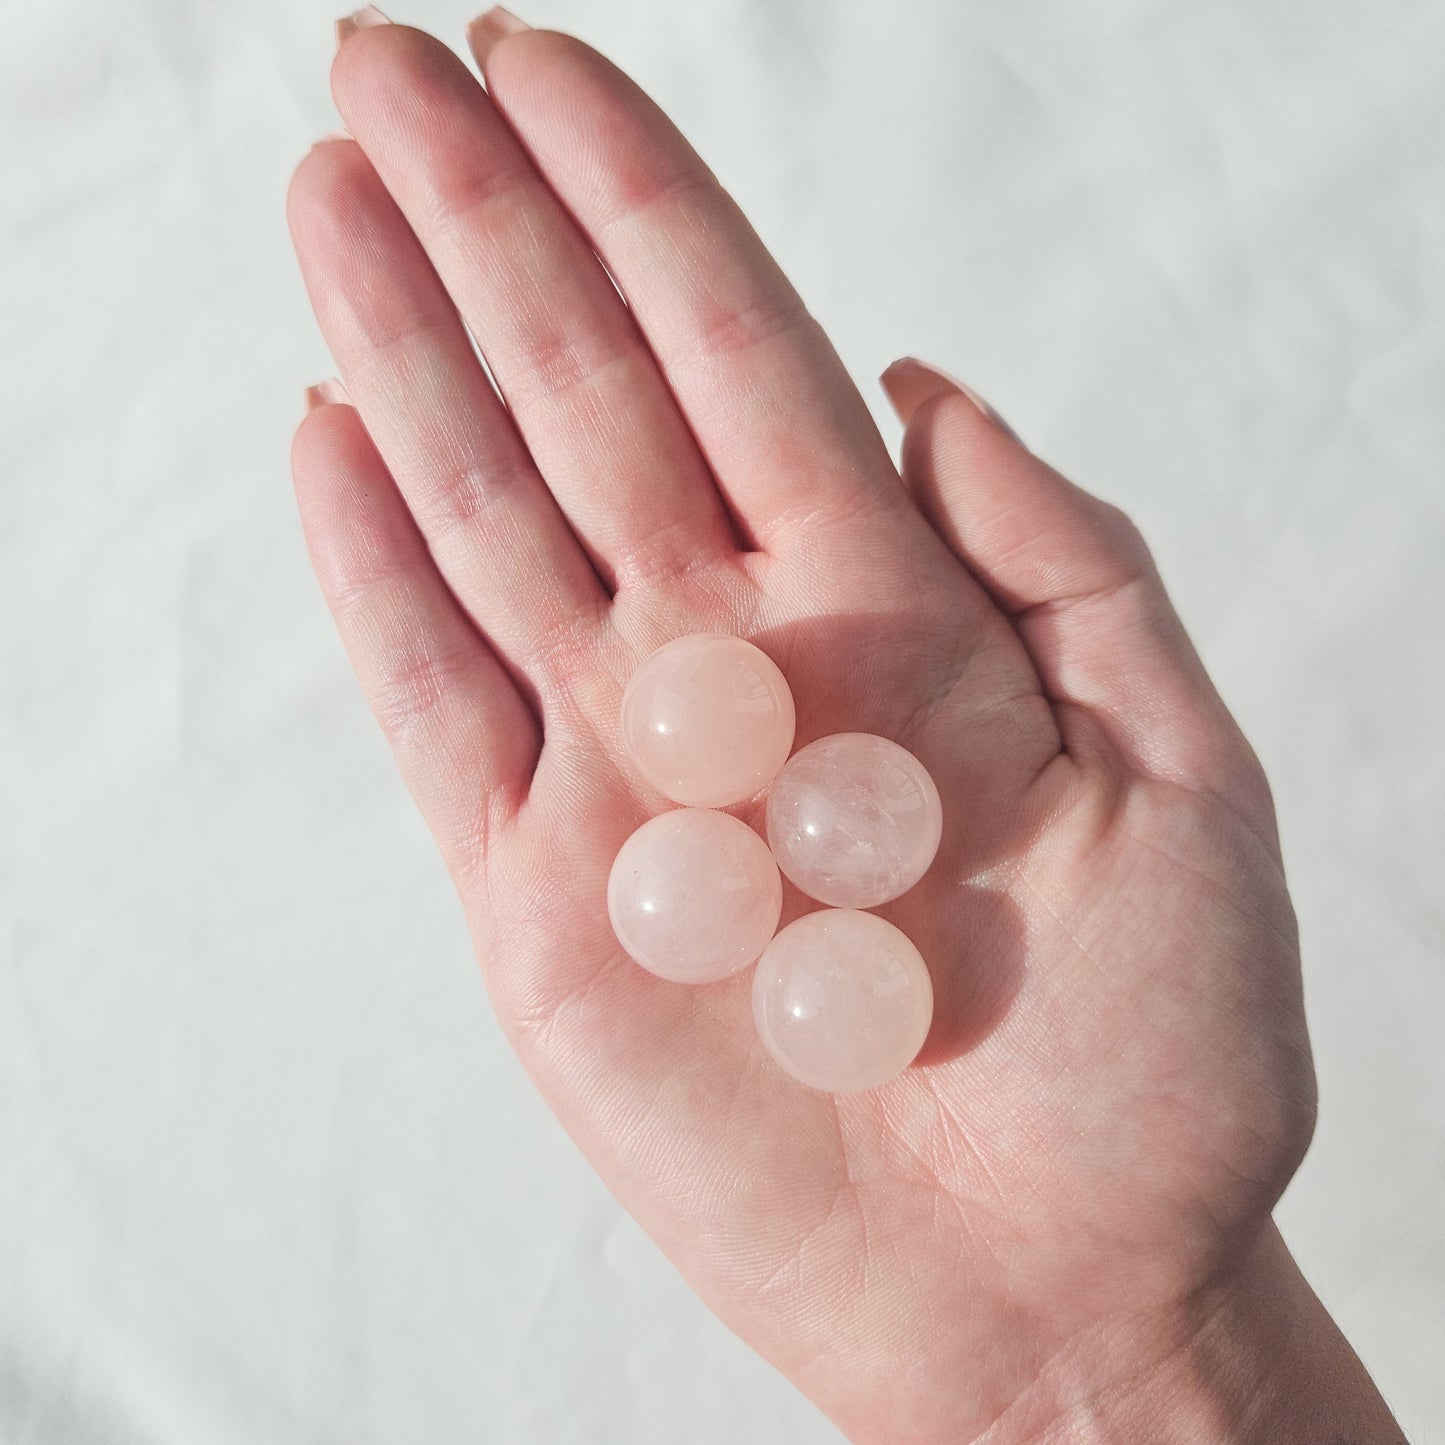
column 909, row 382
column 324, row 393
column 486, row 30
column 362, row 19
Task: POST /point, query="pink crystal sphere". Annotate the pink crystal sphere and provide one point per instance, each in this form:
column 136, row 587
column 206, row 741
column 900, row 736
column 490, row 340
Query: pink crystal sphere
column 842, row 1000
column 708, row 720
column 854, row 820
column 694, row 895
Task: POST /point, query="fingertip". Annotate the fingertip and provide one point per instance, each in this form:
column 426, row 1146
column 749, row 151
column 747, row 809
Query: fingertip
column 326, row 393
column 314, row 181
column 909, row 383
column 375, row 60
column 367, row 18
column 330, row 449
column 556, row 72
column 489, row 29
column 353, row 39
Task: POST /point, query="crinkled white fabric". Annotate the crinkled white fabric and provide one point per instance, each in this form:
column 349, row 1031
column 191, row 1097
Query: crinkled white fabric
column 267, row 1170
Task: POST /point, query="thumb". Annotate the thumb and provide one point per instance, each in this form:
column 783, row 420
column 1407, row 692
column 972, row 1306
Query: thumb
column 1078, row 581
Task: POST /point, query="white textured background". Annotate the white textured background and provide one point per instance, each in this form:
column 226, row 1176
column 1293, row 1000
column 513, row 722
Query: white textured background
column 267, row 1172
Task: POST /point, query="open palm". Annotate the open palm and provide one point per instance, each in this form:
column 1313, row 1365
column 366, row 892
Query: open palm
column 1117, row 1084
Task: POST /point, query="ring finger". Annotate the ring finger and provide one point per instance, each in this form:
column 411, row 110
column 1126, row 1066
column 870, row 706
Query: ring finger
column 495, row 531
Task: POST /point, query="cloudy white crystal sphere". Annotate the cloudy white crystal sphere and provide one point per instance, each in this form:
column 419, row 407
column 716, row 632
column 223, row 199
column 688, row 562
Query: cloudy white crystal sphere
column 842, row 1000
column 694, row 895
column 708, row 720
column 854, row 820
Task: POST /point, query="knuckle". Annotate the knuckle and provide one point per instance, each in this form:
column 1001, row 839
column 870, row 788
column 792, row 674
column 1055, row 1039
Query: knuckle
column 1286, row 1126
column 409, row 694
column 563, row 653
column 639, row 184
column 457, row 501
column 370, row 573
column 735, row 329
column 462, row 206
column 560, row 363
column 1121, row 534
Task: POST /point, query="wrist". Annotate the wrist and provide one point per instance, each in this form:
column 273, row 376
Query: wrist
column 1253, row 1358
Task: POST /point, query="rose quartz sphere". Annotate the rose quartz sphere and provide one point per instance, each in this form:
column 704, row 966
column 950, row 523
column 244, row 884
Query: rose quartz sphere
column 694, row 895
column 708, row 720
column 854, row 820
column 842, row 1000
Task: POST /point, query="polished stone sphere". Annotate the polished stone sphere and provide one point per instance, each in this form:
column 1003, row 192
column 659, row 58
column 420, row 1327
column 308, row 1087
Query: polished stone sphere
column 842, row 1000
column 694, row 895
column 854, row 820
column 708, row 720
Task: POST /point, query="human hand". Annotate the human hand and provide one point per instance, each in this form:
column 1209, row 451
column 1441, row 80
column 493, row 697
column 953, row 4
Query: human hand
column 1063, row 1207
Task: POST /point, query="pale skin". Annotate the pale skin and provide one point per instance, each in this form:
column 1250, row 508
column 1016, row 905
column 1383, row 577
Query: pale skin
column 1056, row 1225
